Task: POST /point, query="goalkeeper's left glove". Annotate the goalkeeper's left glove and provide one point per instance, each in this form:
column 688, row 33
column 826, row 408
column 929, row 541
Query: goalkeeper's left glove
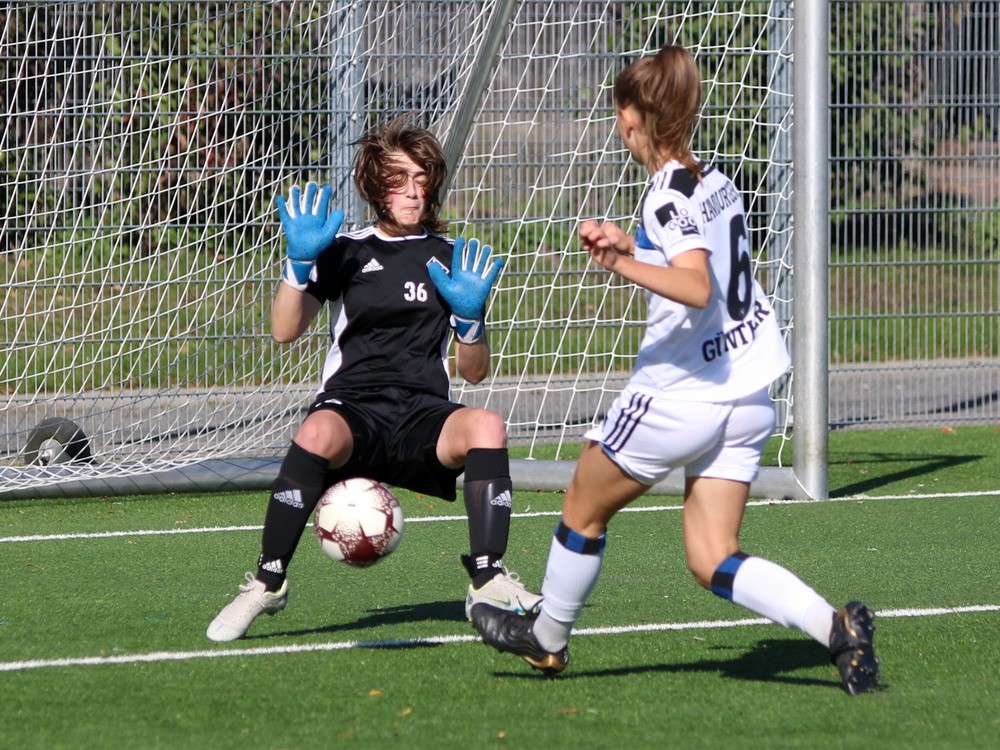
column 467, row 287
column 309, row 229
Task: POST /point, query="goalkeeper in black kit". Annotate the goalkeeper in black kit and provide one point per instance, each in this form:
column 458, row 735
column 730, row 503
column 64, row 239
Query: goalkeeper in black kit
column 398, row 291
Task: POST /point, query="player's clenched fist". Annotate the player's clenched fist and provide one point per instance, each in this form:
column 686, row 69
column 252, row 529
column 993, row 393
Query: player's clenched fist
column 605, row 242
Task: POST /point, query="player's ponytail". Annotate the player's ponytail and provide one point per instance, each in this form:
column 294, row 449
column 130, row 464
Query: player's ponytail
column 666, row 90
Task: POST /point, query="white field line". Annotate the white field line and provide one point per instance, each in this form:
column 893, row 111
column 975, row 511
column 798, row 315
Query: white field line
column 525, row 514
column 226, row 653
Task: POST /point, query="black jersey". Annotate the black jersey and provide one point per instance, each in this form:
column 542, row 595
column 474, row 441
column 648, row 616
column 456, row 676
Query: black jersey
column 388, row 324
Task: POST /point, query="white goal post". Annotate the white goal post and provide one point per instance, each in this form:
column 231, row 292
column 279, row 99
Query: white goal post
column 145, row 141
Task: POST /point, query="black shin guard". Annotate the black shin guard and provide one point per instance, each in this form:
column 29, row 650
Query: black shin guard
column 294, row 494
column 488, row 503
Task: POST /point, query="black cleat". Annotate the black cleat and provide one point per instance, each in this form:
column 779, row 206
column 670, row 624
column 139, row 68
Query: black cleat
column 512, row 633
column 851, row 648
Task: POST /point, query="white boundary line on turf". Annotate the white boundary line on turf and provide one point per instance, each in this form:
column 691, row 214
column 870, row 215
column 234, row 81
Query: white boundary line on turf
column 526, row 514
column 225, row 653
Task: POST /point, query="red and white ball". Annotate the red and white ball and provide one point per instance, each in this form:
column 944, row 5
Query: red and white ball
column 358, row 522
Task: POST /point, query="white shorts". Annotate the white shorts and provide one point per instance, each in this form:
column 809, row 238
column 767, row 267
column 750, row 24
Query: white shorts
column 649, row 436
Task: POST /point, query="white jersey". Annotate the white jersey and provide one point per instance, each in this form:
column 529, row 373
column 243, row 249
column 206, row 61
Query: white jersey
column 731, row 348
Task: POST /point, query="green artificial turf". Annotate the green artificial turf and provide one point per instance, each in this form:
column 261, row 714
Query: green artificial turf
column 102, row 627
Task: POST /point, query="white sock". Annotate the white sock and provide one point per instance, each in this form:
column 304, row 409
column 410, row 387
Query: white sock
column 570, row 576
column 818, row 621
column 779, row 595
column 552, row 635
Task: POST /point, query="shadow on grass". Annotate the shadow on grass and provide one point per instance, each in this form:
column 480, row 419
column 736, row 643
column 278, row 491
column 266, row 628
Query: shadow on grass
column 923, row 466
column 441, row 611
column 767, row 661
column 772, row 660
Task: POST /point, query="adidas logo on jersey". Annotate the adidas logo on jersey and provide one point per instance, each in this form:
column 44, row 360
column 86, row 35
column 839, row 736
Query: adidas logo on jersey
column 372, row 265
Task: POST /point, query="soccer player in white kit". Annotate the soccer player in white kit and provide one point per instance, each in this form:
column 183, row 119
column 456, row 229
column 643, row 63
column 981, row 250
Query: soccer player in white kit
column 698, row 397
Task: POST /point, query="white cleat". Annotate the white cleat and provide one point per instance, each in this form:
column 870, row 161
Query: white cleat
column 233, row 622
column 505, row 592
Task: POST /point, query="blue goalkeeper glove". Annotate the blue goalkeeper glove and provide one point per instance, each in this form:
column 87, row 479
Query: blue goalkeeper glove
column 309, row 228
column 468, row 286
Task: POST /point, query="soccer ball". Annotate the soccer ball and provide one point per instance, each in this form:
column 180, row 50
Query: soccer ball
column 358, row 522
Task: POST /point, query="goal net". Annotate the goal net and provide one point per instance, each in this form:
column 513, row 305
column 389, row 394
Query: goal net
column 145, row 141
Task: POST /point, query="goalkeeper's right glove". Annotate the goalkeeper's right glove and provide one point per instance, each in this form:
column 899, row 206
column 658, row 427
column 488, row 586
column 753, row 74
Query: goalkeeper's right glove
column 309, row 229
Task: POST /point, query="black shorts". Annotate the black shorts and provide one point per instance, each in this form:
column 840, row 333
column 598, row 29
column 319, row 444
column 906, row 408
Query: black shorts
column 396, row 432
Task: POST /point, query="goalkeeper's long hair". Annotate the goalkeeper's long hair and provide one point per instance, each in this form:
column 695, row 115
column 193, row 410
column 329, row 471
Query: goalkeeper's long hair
column 666, row 90
column 374, row 178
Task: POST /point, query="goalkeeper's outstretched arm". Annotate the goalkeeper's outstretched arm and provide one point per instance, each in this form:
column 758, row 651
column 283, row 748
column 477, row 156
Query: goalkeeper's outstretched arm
column 291, row 313
column 473, row 360
column 309, row 227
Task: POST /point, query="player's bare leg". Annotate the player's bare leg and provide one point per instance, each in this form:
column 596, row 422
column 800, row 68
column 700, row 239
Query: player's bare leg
column 713, row 514
column 598, row 490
